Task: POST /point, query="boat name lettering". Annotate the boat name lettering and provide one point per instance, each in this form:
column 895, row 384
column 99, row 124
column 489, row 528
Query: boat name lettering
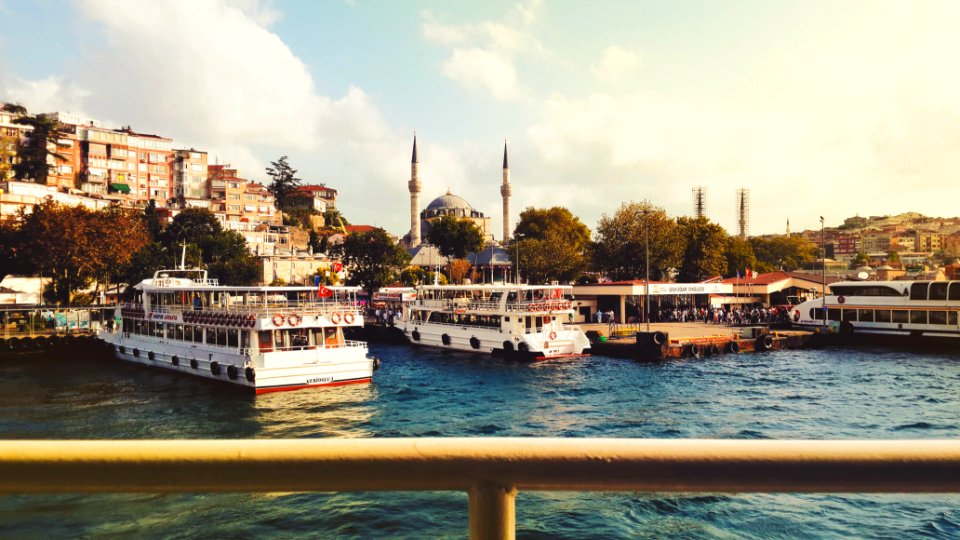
column 317, row 380
column 162, row 317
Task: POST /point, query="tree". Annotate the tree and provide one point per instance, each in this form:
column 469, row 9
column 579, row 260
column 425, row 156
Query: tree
column 455, row 237
column 35, row 156
column 285, row 182
column 782, row 252
column 121, row 233
column 458, row 270
column 412, row 275
column 739, row 255
column 190, row 225
column 893, row 257
column 619, row 251
column 373, row 258
column 550, row 245
column 703, row 251
column 860, row 259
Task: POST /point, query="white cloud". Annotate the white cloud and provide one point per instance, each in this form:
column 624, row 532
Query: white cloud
column 481, row 68
column 484, row 54
column 48, row 94
column 616, row 64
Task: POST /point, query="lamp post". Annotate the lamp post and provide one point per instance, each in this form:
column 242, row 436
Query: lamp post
column 646, row 257
column 823, row 274
column 516, row 240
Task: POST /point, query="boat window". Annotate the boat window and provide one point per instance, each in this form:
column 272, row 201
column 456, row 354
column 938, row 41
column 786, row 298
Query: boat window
column 901, row 316
column 954, row 293
column 918, row 291
column 850, row 315
column 918, row 317
column 866, row 315
column 834, row 314
column 881, row 315
column 864, row 290
column 952, row 318
column 233, row 338
column 938, row 291
column 816, row 313
column 938, row 317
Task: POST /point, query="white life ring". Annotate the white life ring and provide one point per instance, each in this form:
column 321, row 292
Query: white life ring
column 293, row 319
column 335, row 318
column 553, row 335
column 348, row 318
column 278, row 319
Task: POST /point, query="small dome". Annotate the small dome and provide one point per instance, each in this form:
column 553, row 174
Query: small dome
column 885, row 267
column 449, row 201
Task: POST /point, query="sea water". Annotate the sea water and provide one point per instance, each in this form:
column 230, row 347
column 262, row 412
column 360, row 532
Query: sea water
column 845, row 393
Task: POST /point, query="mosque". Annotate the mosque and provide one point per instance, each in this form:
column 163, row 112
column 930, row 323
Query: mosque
column 451, row 205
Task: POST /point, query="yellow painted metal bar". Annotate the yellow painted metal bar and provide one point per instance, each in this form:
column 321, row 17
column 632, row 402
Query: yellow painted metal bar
column 492, row 512
column 684, row 465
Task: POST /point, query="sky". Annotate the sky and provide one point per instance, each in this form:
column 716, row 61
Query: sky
column 818, row 108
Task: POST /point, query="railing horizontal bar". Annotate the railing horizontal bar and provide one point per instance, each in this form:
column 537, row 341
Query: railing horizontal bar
column 678, row 465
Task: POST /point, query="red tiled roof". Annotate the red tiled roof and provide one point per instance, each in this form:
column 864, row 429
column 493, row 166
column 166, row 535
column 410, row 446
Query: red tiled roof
column 773, row 277
column 312, row 187
column 360, row 228
column 626, row 282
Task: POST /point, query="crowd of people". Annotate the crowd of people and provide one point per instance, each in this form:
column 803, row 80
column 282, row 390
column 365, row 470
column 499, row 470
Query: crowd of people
column 733, row 315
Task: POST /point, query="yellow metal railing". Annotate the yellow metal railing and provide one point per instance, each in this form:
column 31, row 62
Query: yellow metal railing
column 490, row 470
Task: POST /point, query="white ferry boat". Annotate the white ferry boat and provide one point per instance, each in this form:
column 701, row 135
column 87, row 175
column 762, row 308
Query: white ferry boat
column 267, row 339
column 527, row 320
column 904, row 308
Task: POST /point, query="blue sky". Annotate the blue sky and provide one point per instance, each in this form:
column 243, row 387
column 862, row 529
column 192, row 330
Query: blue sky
column 818, row 108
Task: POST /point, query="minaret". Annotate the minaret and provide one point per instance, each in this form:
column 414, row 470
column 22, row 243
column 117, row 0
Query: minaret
column 506, row 191
column 788, row 227
column 414, row 197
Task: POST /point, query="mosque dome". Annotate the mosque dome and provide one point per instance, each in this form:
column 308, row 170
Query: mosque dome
column 450, row 202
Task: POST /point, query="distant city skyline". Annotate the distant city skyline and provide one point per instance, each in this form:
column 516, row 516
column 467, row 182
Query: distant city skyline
column 817, row 108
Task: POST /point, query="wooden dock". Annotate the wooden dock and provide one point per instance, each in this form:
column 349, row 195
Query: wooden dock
column 689, row 340
column 40, row 328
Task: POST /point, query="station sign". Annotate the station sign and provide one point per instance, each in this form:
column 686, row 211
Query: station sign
column 690, row 288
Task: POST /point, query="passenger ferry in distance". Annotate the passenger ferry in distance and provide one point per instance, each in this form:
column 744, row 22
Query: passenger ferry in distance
column 267, row 339
column 526, row 320
column 904, row 308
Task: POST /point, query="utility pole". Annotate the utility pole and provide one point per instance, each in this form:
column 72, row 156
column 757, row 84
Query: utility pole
column 823, row 274
column 646, row 257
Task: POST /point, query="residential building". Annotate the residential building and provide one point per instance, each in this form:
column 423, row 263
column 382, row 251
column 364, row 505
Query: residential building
column 11, row 136
column 846, row 246
column 928, row 241
column 311, row 198
column 876, row 241
column 190, row 176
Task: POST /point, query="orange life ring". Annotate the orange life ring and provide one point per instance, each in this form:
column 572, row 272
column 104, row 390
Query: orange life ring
column 553, row 335
column 335, row 318
column 348, row 318
column 278, row 319
column 293, row 319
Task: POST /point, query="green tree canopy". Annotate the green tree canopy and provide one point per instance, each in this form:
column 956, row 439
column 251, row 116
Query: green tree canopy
column 739, row 255
column 42, row 141
column 284, row 183
column 373, row 259
column 860, row 259
column 455, row 237
column 550, row 244
column 703, row 249
column 784, row 252
column 619, row 251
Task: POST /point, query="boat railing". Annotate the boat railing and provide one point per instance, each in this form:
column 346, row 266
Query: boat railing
column 347, row 344
column 262, row 309
column 491, row 470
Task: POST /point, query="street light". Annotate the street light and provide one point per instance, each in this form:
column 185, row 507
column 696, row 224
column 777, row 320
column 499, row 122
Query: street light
column 823, row 274
column 516, row 240
column 646, row 257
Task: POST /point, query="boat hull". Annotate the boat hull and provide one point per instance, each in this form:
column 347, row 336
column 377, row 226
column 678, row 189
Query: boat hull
column 272, row 372
column 538, row 346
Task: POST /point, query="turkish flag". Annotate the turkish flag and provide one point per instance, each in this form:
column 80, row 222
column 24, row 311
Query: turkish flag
column 337, row 267
column 557, row 293
column 324, row 292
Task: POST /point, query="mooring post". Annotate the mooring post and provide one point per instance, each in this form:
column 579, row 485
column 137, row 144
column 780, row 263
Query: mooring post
column 493, row 512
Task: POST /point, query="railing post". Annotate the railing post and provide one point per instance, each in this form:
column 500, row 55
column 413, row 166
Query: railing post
column 493, row 512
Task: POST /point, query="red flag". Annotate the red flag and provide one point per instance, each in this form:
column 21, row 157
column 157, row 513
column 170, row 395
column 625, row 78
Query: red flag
column 557, row 293
column 324, row 292
column 337, row 267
